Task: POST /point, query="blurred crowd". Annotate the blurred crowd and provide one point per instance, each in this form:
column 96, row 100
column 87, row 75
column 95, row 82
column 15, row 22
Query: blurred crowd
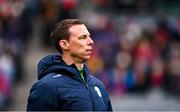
column 136, row 47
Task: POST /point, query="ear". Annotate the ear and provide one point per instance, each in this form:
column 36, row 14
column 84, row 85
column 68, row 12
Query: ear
column 64, row 44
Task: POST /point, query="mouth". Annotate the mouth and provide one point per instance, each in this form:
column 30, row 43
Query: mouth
column 89, row 51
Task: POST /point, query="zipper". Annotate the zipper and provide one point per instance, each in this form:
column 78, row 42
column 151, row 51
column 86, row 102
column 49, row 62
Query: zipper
column 87, row 87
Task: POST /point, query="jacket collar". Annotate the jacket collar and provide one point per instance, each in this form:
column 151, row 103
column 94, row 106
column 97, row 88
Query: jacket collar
column 55, row 64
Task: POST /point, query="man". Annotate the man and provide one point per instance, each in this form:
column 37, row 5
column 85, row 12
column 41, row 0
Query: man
column 65, row 82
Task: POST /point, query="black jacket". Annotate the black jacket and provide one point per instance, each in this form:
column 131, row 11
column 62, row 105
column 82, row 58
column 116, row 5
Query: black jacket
column 60, row 87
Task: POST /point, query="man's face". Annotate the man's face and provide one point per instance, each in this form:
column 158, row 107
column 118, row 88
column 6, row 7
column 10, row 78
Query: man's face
column 80, row 43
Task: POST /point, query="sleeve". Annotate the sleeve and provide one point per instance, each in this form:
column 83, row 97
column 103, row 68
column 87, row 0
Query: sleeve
column 109, row 105
column 42, row 98
column 106, row 98
column 105, row 95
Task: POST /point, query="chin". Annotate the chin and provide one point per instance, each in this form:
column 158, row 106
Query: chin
column 86, row 59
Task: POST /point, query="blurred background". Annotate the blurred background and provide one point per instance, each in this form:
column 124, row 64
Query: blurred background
column 135, row 53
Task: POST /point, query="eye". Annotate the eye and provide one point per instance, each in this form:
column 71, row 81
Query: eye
column 83, row 37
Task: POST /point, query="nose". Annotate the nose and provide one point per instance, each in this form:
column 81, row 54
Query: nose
column 91, row 42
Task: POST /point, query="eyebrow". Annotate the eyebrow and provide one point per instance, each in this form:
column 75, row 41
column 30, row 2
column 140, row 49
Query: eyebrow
column 84, row 35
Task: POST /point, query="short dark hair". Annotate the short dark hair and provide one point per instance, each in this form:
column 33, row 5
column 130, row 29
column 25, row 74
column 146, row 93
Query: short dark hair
column 61, row 31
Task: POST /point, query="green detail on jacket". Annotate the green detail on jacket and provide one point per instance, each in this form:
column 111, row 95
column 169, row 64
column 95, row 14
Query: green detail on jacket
column 81, row 72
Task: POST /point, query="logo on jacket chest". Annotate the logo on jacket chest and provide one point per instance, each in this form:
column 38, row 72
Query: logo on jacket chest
column 98, row 91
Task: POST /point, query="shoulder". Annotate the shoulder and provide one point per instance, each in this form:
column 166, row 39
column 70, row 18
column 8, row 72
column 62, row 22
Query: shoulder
column 51, row 81
column 41, row 94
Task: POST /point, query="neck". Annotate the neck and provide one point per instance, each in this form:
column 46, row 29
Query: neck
column 69, row 61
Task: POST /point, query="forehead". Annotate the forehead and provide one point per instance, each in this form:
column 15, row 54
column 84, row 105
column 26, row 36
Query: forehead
column 78, row 30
